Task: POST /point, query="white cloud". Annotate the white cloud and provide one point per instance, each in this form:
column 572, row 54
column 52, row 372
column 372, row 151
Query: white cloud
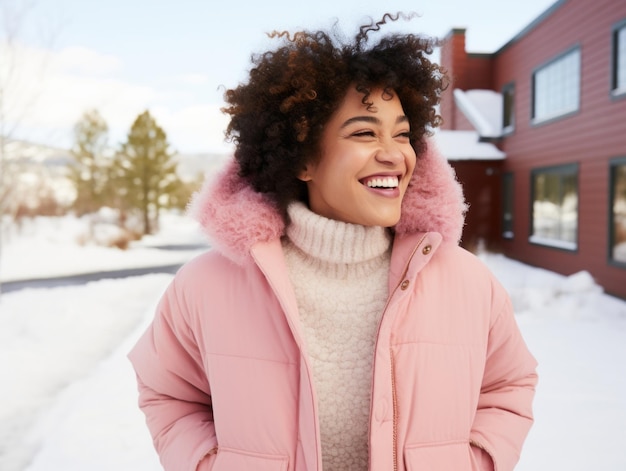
column 50, row 91
column 54, row 88
column 194, row 128
column 83, row 60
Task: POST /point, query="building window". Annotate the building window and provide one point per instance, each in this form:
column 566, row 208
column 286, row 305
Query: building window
column 508, row 108
column 618, row 212
column 618, row 85
column 555, row 206
column 556, row 87
column 507, row 205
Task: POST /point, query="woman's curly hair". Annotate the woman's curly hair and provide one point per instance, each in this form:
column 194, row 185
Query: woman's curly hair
column 278, row 116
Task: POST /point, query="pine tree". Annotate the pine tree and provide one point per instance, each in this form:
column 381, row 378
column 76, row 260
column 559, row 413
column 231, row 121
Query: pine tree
column 146, row 171
column 91, row 172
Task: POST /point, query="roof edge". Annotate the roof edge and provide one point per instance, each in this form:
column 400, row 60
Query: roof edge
column 532, row 25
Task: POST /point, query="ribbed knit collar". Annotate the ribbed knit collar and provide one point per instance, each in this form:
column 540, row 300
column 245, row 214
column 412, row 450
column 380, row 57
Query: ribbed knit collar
column 334, row 241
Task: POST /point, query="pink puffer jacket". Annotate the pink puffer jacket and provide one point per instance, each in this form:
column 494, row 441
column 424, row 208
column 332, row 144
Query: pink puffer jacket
column 225, row 380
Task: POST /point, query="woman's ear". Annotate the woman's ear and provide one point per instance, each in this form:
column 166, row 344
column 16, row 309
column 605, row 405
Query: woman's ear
column 303, row 174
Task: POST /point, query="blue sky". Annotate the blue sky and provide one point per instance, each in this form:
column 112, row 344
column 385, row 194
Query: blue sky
column 125, row 56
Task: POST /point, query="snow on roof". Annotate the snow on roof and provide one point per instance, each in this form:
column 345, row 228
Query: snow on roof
column 483, row 108
column 465, row 145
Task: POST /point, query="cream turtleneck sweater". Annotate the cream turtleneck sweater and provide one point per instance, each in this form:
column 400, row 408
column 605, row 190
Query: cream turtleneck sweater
column 339, row 272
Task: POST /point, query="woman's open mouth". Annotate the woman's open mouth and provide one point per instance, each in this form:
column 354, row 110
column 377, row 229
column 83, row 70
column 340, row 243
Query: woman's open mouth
column 388, row 182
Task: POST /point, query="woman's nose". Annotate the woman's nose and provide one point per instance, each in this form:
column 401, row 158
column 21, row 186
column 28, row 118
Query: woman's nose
column 389, row 153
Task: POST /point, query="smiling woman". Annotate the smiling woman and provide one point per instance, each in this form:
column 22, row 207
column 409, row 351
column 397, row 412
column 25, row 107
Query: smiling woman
column 306, row 81
column 336, row 324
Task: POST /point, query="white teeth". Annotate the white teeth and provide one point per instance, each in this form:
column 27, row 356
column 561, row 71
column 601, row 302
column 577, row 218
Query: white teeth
column 387, row 182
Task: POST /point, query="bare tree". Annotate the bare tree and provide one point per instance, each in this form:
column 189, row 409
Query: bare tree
column 15, row 101
column 90, row 172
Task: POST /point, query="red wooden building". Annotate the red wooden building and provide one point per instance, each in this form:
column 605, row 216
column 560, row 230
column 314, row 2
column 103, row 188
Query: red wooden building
column 553, row 101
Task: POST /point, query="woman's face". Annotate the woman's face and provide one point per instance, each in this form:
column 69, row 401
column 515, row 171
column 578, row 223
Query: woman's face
column 366, row 162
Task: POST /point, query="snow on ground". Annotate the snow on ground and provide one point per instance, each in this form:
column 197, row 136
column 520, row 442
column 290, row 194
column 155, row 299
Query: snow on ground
column 68, row 395
column 45, row 247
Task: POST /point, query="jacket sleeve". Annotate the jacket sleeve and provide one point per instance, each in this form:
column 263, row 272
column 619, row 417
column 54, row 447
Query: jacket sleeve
column 504, row 415
column 174, row 393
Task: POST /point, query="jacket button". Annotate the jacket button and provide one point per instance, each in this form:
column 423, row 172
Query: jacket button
column 404, row 285
column 426, row 250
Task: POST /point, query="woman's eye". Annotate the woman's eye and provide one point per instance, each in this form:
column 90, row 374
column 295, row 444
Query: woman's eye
column 405, row 135
column 363, row 134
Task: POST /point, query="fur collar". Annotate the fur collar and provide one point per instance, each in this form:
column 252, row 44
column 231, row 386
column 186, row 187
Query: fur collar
column 235, row 217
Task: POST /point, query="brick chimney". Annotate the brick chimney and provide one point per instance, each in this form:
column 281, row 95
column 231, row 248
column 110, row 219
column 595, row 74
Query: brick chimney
column 454, row 62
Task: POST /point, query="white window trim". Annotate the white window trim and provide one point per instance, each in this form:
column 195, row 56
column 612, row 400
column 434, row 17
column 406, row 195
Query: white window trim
column 559, row 244
column 565, row 111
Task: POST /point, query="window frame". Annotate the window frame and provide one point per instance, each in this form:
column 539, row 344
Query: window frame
column 508, row 201
column 617, row 92
column 563, row 169
column 534, row 120
column 613, row 163
column 506, row 89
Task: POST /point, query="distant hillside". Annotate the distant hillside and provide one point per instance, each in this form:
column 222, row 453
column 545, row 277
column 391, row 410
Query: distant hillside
column 29, row 156
column 29, row 153
column 36, row 166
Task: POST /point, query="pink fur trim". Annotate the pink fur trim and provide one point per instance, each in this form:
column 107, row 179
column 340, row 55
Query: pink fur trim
column 434, row 200
column 233, row 215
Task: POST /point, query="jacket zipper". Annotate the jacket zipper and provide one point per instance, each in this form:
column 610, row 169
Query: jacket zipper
column 395, row 411
column 394, row 395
